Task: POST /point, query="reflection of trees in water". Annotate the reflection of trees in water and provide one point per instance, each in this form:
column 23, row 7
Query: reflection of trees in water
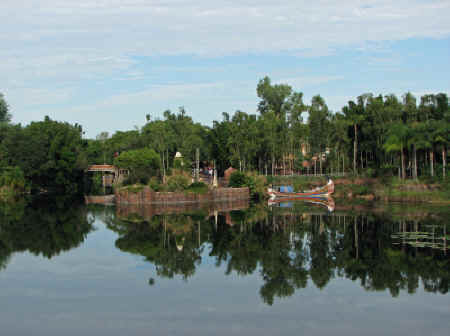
column 44, row 227
column 288, row 247
column 171, row 243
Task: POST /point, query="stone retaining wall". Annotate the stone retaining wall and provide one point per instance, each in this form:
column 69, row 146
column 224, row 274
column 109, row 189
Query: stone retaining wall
column 106, row 199
column 147, row 196
column 147, row 211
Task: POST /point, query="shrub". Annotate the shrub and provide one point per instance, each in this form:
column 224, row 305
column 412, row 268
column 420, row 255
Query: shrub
column 154, row 184
column 198, row 187
column 141, row 176
column 237, row 180
column 13, row 177
column 178, row 182
column 256, row 183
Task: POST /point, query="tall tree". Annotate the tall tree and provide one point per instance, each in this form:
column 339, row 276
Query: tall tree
column 5, row 117
column 318, row 126
column 273, row 97
column 397, row 141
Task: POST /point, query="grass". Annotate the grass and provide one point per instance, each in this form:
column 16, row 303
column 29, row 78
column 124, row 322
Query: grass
column 384, row 188
column 134, row 188
column 197, row 188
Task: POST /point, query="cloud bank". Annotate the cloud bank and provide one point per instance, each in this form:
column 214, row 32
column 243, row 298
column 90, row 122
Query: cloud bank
column 62, row 45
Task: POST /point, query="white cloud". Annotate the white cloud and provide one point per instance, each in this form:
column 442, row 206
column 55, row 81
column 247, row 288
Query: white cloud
column 38, row 96
column 62, row 44
column 219, row 27
column 306, row 81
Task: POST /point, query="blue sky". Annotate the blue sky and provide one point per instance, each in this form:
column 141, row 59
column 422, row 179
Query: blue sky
column 107, row 63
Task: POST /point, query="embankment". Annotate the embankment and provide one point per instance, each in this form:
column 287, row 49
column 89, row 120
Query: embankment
column 104, row 199
column 376, row 189
column 145, row 195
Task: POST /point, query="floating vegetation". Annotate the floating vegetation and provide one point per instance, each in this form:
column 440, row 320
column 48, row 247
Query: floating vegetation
column 436, row 239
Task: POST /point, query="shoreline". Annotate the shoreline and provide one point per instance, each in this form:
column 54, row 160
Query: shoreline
column 144, row 195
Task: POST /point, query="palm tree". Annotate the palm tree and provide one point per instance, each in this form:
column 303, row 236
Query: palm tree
column 441, row 138
column 397, row 140
column 355, row 114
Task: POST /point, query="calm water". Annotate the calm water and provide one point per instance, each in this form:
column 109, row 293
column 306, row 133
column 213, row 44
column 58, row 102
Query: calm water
column 288, row 269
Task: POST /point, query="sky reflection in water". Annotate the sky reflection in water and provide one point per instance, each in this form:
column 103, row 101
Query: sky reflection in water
column 69, row 269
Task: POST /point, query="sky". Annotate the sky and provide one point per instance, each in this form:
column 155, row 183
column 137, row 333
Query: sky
column 106, row 64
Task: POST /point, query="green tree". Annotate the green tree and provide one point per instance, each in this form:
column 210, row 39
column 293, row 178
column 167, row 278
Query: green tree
column 5, row 117
column 50, row 153
column 318, row 127
column 273, row 97
column 143, row 163
column 397, row 141
column 354, row 115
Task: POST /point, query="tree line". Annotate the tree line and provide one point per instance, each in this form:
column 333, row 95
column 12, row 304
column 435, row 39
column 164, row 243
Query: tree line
column 374, row 135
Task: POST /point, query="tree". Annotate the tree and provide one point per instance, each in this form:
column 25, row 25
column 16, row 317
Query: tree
column 143, row 163
column 273, row 97
column 50, row 153
column 160, row 136
column 339, row 137
column 102, row 137
column 355, row 115
column 5, row 117
column 318, row 127
column 397, row 141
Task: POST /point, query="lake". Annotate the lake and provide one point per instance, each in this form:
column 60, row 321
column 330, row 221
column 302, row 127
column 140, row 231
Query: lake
column 236, row 268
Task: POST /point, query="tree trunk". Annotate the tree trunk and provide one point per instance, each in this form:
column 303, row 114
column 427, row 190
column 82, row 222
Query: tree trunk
column 167, row 160
column 444, row 161
column 320, row 164
column 355, row 148
column 432, row 162
column 164, row 168
column 361, row 158
column 415, row 162
column 403, row 164
column 273, row 164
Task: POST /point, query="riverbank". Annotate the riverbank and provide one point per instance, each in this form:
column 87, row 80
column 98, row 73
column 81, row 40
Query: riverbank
column 145, row 195
column 373, row 189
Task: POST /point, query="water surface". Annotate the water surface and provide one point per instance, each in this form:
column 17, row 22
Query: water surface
column 235, row 268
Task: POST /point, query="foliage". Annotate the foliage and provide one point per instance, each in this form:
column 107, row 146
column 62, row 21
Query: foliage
column 256, row 183
column 144, row 158
column 94, row 184
column 198, row 188
column 237, row 179
column 49, row 153
column 133, row 188
column 155, row 184
column 178, row 182
column 5, row 117
column 372, row 135
column 143, row 164
column 13, row 178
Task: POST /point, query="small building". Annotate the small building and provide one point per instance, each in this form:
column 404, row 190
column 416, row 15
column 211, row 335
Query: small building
column 227, row 173
column 178, row 161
